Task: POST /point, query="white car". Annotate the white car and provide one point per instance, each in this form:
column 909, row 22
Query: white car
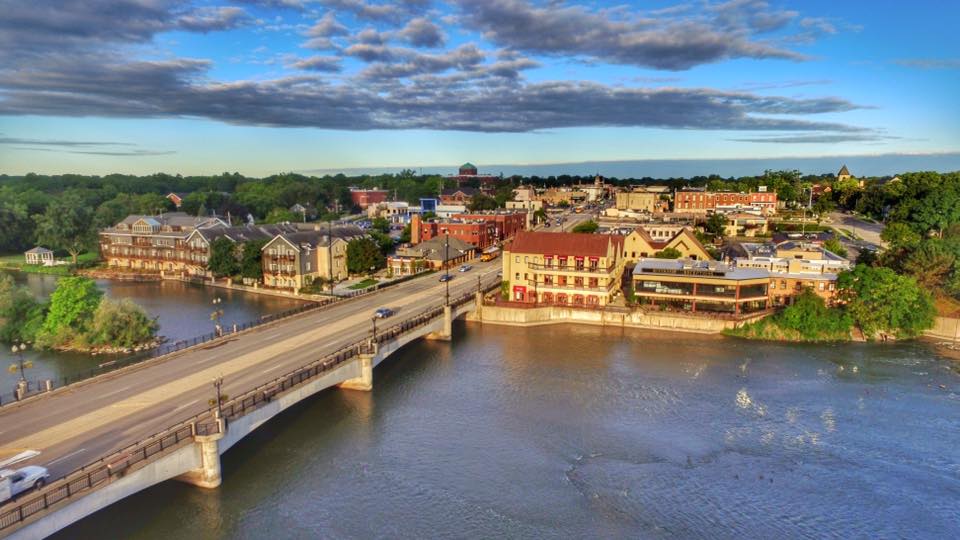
column 13, row 483
column 465, row 268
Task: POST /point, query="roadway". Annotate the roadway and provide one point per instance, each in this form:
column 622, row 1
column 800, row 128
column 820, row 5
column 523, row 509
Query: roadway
column 870, row 232
column 82, row 424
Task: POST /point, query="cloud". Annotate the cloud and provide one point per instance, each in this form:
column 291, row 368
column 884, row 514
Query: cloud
column 420, row 32
column 326, row 27
column 824, row 138
column 930, row 63
column 56, row 142
column 102, row 148
column 676, row 42
column 409, row 62
column 210, row 19
column 393, row 11
column 329, row 64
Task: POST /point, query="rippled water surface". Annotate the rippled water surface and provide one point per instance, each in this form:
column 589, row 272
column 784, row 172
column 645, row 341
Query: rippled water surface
column 573, row 432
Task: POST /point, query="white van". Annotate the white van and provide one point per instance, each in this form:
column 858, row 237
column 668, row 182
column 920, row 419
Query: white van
column 15, row 482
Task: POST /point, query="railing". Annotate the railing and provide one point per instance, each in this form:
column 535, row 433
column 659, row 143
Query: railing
column 106, row 470
column 568, row 268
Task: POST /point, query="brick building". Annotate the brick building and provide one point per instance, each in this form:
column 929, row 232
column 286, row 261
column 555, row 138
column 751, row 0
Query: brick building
column 702, row 202
column 366, row 197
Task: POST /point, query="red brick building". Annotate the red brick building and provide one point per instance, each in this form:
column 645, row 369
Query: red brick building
column 699, row 201
column 367, row 197
column 479, row 233
column 507, row 224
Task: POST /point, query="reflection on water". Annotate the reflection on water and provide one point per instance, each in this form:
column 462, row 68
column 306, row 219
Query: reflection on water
column 182, row 309
column 598, row 433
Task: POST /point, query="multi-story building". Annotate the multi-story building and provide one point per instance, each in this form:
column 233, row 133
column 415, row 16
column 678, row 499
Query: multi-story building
column 640, row 243
column 563, row 268
column 476, row 232
column 156, row 243
column 638, row 200
column 555, row 196
column 702, row 201
column 525, row 193
column 396, row 212
column 436, row 254
column 294, row 260
column 198, row 243
column 366, row 197
column 507, row 224
column 793, row 266
column 742, row 224
column 461, row 195
column 700, row 286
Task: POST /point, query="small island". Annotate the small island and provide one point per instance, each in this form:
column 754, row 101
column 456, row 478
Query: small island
column 77, row 318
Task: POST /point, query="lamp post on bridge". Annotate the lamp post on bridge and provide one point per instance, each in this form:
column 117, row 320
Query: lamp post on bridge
column 374, row 320
column 218, row 383
column 217, row 315
column 20, row 365
column 446, row 263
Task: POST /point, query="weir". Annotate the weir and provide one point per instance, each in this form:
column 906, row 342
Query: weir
column 190, row 452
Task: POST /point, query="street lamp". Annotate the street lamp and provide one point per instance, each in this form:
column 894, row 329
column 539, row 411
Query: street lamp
column 218, row 383
column 18, row 349
column 446, row 263
column 374, row 320
column 216, row 315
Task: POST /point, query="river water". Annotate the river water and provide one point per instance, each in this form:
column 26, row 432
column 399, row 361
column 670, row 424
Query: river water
column 182, row 309
column 583, row 432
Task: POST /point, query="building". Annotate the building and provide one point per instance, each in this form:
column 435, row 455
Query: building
column 700, row 286
column 528, row 205
column 744, row 224
column 176, row 198
column 507, row 224
column 293, row 260
column 637, row 200
column 396, row 212
column 155, row 243
column 449, row 210
column 476, row 232
column 467, row 174
column 366, row 197
column 306, row 211
column 640, row 244
column 702, row 201
column 461, row 195
column 556, row 196
column 844, row 173
column 429, row 205
column 563, row 268
column 525, row 193
column 39, row 255
column 595, row 191
column 435, row 254
column 793, row 266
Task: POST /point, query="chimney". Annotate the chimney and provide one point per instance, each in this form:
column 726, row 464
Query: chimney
column 415, row 232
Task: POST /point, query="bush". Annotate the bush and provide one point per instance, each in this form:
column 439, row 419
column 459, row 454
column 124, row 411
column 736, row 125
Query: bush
column 812, row 319
column 586, row 227
column 121, row 324
column 668, row 253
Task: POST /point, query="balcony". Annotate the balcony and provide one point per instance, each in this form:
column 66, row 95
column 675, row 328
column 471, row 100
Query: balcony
column 586, row 269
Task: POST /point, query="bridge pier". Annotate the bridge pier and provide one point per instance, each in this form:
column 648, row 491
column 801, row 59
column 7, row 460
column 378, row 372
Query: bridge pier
column 364, row 382
column 447, row 333
column 208, row 474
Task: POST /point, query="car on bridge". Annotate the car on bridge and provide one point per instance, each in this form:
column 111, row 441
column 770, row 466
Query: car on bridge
column 13, row 483
column 466, row 268
column 446, row 277
column 383, row 313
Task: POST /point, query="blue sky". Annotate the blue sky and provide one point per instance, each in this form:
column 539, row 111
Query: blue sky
column 258, row 87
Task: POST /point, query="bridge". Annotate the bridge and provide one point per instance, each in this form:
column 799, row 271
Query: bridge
column 111, row 436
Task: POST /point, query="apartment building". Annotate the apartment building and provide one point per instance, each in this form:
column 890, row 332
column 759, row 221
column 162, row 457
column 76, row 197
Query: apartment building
column 638, row 200
column 563, row 268
column 156, row 243
column 702, row 201
column 293, row 260
column 700, row 286
column 640, row 243
column 506, row 224
column 435, row 254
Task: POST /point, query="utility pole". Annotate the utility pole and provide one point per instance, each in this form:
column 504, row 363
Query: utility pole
column 218, row 383
column 330, row 253
column 446, row 262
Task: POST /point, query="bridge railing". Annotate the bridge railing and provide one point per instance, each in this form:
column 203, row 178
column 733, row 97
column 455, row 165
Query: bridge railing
column 108, row 469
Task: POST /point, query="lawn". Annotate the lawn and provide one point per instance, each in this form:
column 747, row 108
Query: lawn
column 16, row 261
column 369, row 282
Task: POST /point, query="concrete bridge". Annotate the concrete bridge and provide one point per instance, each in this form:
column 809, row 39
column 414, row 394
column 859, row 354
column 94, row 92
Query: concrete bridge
column 189, row 450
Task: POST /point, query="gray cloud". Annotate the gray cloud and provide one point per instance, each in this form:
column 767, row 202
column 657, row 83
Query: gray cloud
column 409, row 62
column 210, row 19
column 420, row 32
column 670, row 43
column 102, row 148
column 329, row 64
column 55, row 142
column 822, row 138
column 931, row 63
column 326, row 27
column 394, row 11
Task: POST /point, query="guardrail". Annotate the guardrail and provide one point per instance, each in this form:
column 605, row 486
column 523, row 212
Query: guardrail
column 105, row 470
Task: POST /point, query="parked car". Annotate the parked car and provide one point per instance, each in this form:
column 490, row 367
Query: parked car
column 466, row 268
column 446, row 277
column 383, row 313
column 13, row 483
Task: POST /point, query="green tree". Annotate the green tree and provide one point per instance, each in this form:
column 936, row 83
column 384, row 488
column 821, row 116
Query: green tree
column 481, row 202
column 930, row 264
column 833, row 245
column 223, row 259
column 540, row 215
column 16, row 228
column 121, row 324
column 883, row 302
column 587, row 227
column 380, row 224
column 71, row 308
column 812, row 319
column 251, row 259
column 716, row 224
column 364, row 254
column 405, row 234
column 384, row 242
column 21, row 316
column 281, row 215
column 668, row 253
column 900, row 235
column 67, row 224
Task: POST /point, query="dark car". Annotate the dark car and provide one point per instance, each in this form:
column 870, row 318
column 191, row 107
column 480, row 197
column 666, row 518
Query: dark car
column 445, row 278
column 383, row 313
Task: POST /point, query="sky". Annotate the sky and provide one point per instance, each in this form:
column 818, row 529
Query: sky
column 266, row 86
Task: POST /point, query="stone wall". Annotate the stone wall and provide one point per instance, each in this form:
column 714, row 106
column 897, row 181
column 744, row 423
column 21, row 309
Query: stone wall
column 945, row 328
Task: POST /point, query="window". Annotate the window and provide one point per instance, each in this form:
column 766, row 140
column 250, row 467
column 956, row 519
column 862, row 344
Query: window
column 518, row 276
column 516, row 259
column 593, row 282
column 562, row 281
column 578, row 281
column 820, row 286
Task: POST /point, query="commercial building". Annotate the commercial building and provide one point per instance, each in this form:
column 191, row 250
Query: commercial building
column 460, row 195
column 396, row 212
column 366, row 197
column 476, row 232
column 637, row 200
column 793, row 266
column 563, row 268
column 702, row 201
column 700, row 286
column 156, row 243
column 435, row 254
column 743, row 224
column 555, row 196
column 641, row 244
column 507, row 224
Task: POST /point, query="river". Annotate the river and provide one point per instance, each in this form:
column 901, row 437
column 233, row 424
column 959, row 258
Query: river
column 182, row 309
column 584, row 432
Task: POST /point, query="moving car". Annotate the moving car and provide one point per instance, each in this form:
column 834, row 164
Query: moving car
column 446, row 277
column 383, row 313
column 13, row 483
column 465, row 268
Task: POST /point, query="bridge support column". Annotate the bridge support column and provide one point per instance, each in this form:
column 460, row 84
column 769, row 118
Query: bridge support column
column 208, row 474
column 365, row 380
column 447, row 332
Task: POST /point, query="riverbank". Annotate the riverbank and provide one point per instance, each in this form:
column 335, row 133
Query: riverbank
column 16, row 263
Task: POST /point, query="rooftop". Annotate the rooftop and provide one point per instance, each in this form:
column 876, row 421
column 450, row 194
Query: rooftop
column 688, row 267
column 549, row 243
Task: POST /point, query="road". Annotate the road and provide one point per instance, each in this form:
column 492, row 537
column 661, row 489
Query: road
column 870, row 232
column 78, row 426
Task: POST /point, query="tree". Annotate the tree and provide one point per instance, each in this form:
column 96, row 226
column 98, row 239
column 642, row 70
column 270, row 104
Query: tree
column 121, row 324
column 380, row 224
column 833, row 245
column 668, row 253
column 586, row 227
column 824, row 205
column 564, row 204
column 405, row 234
column 540, row 215
column 481, row 202
column 67, row 224
column 812, row 319
column 251, row 259
column 223, row 259
column 71, row 308
column 384, row 242
column 716, row 224
column 16, row 228
column 281, row 215
column 900, row 235
column 21, row 316
column 364, row 254
column 930, row 264
column 883, row 302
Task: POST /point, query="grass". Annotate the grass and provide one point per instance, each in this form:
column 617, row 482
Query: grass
column 369, row 282
column 16, row 261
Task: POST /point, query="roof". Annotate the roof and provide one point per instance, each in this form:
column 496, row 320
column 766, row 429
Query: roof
column 39, row 249
column 175, row 219
column 465, row 190
column 711, row 269
column 468, row 165
column 843, row 171
column 577, row 244
column 436, row 248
